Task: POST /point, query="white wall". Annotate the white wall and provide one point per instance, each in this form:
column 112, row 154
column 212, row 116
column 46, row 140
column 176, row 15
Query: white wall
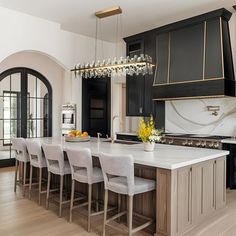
column 191, row 116
column 37, row 43
column 20, row 32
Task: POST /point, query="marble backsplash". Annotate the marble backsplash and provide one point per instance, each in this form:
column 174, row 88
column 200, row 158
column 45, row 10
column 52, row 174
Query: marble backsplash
column 192, row 116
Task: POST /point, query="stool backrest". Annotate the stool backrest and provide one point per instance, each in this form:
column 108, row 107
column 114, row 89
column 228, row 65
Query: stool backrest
column 118, row 165
column 19, row 145
column 54, row 153
column 35, row 152
column 81, row 158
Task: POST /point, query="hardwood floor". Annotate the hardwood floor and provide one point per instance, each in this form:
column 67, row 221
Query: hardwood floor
column 22, row 217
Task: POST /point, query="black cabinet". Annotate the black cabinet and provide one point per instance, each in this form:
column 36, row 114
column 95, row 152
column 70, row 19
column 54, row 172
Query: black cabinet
column 128, row 137
column 150, row 46
column 230, row 166
column 135, row 84
column 134, row 95
column 138, row 87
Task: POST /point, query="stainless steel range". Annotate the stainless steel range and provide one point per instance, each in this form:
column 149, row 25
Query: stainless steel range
column 193, row 140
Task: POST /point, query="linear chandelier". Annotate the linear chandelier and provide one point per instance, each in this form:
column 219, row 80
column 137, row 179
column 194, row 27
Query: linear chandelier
column 136, row 65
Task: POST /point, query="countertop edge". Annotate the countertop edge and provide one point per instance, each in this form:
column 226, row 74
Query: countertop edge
column 183, row 164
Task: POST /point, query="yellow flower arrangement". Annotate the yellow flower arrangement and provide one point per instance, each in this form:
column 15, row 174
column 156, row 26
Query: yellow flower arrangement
column 147, row 131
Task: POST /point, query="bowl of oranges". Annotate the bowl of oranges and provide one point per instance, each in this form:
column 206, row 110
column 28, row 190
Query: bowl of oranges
column 77, row 136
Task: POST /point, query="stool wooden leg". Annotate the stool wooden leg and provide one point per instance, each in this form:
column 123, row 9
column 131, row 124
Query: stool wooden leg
column 48, row 189
column 24, row 180
column 130, row 213
column 40, row 184
column 16, row 173
column 97, row 196
column 119, row 205
column 89, row 205
column 30, row 181
column 72, row 198
column 61, row 194
column 105, row 211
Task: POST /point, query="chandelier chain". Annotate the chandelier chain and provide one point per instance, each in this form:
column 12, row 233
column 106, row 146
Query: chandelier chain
column 96, row 39
column 101, row 37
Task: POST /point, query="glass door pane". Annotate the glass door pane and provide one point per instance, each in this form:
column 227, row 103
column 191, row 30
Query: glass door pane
column 37, row 106
column 9, row 113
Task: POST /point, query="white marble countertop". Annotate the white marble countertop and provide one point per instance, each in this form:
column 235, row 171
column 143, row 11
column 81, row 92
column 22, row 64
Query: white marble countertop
column 164, row 156
column 229, row 140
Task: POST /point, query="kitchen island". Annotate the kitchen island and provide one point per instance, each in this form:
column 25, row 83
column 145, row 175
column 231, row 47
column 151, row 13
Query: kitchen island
column 191, row 182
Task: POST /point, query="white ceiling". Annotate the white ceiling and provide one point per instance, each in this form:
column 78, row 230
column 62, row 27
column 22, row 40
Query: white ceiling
column 138, row 15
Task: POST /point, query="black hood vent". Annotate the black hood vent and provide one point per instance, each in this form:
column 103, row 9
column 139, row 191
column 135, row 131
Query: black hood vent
column 194, row 58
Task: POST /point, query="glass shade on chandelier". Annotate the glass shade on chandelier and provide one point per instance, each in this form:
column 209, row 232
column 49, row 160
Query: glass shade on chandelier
column 137, row 65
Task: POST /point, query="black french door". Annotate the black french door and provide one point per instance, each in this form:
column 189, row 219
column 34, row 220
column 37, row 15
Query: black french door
column 25, row 109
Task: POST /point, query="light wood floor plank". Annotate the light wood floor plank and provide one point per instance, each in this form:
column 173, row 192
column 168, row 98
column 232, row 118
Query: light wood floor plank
column 22, row 217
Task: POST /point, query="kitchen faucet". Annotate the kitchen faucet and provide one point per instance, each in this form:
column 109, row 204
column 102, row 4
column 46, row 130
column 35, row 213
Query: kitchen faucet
column 112, row 130
column 98, row 137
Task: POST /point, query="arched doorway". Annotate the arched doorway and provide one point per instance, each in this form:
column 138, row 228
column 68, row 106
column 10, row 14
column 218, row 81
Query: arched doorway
column 25, row 108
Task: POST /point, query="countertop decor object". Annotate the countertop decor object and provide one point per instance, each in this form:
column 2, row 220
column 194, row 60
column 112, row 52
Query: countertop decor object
column 148, row 134
column 138, row 64
column 77, row 139
column 77, row 136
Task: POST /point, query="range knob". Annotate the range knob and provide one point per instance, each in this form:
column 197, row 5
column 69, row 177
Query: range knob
column 216, row 145
column 171, row 141
column 190, row 143
column 211, row 144
column 203, row 144
column 163, row 140
column 198, row 144
column 185, row 142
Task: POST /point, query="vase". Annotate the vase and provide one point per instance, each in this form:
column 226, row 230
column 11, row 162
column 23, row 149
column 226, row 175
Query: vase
column 149, row 146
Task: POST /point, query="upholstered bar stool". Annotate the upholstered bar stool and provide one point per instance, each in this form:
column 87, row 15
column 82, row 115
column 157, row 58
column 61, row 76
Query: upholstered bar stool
column 38, row 161
column 118, row 173
column 19, row 145
column 58, row 166
column 83, row 171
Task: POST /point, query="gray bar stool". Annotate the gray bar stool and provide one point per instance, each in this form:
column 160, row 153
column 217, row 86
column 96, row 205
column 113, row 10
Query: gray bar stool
column 118, row 173
column 38, row 161
column 83, row 171
column 19, row 145
column 58, row 166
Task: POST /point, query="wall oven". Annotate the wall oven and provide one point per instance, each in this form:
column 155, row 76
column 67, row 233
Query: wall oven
column 68, row 118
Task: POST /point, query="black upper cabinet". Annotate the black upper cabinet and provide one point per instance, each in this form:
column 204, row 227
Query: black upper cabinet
column 134, row 95
column 135, row 47
column 135, row 84
column 150, row 45
column 138, row 87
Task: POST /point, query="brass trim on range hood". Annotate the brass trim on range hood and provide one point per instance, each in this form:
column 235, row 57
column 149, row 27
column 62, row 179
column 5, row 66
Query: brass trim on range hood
column 204, row 59
column 189, row 81
column 186, row 98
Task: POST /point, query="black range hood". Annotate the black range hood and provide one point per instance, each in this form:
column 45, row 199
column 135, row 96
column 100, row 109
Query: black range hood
column 194, row 58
